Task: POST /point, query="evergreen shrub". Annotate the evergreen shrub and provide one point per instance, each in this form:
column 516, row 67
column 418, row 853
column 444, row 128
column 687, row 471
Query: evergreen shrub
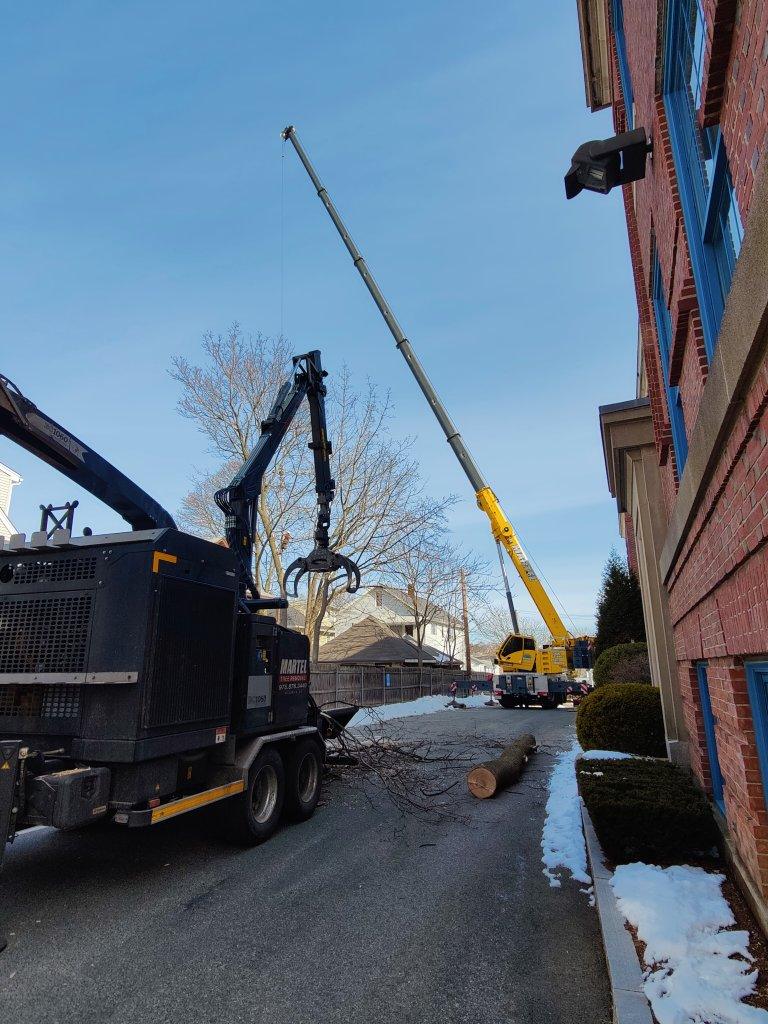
column 624, row 717
column 624, row 663
column 646, row 810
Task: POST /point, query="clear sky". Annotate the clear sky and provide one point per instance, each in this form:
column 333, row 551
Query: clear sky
column 140, row 185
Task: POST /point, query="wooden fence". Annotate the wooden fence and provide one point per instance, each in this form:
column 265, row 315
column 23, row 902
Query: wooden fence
column 371, row 685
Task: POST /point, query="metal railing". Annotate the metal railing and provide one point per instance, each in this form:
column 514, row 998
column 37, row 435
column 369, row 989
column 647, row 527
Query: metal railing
column 371, row 685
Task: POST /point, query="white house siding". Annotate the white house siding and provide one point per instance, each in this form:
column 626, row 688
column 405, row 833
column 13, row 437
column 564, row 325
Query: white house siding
column 8, row 480
column 395, row 612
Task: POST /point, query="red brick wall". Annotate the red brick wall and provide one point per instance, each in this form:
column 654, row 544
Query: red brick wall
column 743, row 116
column 629, row 539
column 719, row 585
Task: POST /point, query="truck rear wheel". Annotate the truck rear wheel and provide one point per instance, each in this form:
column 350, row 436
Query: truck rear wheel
column 304, row 774
column 253, row 816
column 508, row 702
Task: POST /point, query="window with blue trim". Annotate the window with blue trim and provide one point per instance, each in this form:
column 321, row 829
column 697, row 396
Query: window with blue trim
column 617, row 9
column 715, row 772
column 664, row 332
column 757, row 687
column 710, row 208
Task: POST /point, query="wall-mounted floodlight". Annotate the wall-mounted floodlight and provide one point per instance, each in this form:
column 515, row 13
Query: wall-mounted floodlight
column 601, row 164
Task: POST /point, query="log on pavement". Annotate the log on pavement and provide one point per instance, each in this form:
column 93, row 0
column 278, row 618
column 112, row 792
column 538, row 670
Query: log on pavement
column 488, row 779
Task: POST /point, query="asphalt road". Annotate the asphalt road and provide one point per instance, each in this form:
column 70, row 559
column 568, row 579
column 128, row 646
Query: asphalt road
column 359, row 915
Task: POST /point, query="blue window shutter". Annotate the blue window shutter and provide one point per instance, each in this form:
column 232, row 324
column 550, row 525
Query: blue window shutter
column 757, row 687
column 715, row 771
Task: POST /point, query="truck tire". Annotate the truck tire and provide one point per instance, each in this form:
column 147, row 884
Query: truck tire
column 252, row 817
column 508, row 702
column 304, row 776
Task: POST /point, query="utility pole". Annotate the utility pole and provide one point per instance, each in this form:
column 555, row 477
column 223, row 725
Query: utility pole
column 465, row 617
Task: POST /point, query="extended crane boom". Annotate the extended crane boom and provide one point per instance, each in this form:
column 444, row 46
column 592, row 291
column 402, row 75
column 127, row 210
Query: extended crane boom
column 501, row 527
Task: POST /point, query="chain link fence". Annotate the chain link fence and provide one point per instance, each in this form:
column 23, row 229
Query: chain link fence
column 372, row 685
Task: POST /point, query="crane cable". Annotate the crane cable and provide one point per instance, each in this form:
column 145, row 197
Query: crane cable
column 282, row 239
column 551, row 588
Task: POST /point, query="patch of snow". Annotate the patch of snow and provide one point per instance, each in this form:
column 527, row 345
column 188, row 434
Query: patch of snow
column 410, row 708
column 562, row 841
column 605, row 755
column 697, row 971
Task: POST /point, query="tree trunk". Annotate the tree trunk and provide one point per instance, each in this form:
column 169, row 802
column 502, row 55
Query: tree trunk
column 488, row 779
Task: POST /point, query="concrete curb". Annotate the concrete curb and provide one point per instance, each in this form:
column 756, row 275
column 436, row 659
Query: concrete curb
column 630, row 1005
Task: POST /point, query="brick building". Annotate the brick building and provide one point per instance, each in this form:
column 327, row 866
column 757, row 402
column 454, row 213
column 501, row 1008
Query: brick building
column 686, row 456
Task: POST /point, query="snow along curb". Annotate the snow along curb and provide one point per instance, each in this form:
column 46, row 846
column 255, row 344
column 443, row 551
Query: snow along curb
column 625, row 974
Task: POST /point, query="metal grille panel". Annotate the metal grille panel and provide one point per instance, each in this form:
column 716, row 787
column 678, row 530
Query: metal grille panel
column 189, row 679
column 45, row 634
column 40, row 701
column 60, row 570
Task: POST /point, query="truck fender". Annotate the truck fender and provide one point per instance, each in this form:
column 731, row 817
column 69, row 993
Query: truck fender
column 250, row 750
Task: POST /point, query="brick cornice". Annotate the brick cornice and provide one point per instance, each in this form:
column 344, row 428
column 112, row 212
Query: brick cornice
column 720, row 16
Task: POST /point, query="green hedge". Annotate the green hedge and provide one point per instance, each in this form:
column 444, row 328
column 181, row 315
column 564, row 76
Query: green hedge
column 624, row 717
column 624, row 663
column 646, row 810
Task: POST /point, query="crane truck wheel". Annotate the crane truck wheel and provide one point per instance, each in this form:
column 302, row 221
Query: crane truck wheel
column 304, row 774
column 252, row 817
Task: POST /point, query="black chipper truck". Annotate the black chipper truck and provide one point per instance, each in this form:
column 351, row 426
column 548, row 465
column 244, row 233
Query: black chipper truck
column 140, row 677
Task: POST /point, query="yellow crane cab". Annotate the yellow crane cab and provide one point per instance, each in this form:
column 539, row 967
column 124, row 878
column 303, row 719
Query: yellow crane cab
column 518, row 653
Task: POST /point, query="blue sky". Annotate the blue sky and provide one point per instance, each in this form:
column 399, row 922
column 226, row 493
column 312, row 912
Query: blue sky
column 140, row 186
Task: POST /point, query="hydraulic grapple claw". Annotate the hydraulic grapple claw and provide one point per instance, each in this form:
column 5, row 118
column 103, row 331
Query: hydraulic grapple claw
column 322, row 560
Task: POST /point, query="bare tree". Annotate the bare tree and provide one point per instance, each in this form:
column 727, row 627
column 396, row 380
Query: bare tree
column 228, row 397
column 478, row 584
column 427, row 570
column 379, row 501
column 492, row 623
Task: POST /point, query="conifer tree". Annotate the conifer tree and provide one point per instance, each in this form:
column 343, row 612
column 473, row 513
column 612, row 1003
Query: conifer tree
column 619, row 607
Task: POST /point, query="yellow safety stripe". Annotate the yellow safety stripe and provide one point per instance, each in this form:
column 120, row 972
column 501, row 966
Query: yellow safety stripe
column 190, row 803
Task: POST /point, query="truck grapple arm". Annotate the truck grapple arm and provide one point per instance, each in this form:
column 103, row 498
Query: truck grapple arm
column 239, row 501
column 32, row 429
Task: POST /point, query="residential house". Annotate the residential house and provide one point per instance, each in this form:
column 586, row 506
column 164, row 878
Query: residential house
column 484, row 658
column 8, row 480
column 370, row 641
column 394, row 608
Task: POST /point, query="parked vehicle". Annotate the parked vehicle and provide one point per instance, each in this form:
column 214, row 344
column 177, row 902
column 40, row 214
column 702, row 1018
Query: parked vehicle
column 139, row 676
column 532, row 689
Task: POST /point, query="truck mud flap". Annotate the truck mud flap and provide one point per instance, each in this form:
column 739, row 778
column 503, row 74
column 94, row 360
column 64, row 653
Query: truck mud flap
column 9, row 791
column 10, row 796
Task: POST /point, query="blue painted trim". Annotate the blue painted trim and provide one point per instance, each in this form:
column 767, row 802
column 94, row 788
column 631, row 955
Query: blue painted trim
column 702, row 202
column 757, row 688
column 710, row 734
column 719, row 182
column 617, row 10
column 664, row 333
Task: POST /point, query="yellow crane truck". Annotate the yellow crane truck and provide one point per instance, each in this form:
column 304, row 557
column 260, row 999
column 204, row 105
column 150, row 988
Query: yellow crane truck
column 530, row 674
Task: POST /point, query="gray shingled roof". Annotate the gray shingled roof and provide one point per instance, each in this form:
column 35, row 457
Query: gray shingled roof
column 371, row 642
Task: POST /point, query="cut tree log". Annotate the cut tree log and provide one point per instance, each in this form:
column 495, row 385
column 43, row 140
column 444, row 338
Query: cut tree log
column 488, row 779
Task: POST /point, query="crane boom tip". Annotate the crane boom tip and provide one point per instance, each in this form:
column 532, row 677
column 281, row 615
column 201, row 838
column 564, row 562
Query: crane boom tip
column 288, row 130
